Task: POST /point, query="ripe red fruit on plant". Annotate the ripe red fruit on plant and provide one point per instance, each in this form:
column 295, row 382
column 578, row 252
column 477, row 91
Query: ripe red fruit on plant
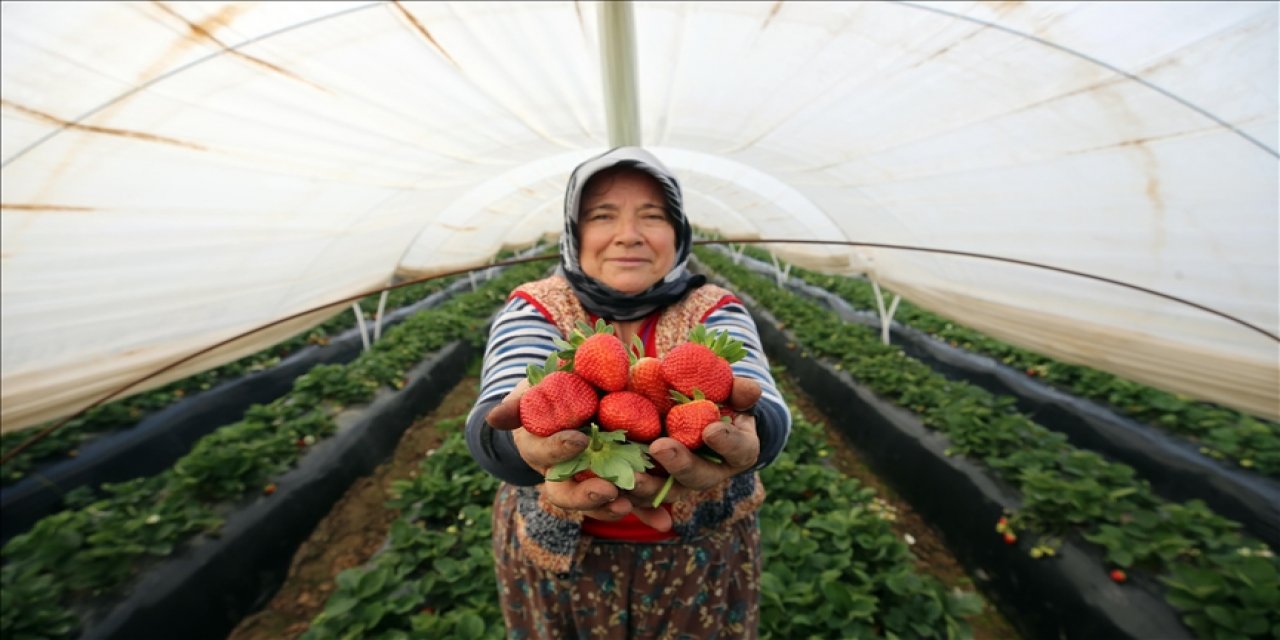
column 689, row 417
column 597, row 355
column 1118, row 575
column 631, row 412
column 583, row 476
column 703, row 363
column 1009, row 538
column 558, row 400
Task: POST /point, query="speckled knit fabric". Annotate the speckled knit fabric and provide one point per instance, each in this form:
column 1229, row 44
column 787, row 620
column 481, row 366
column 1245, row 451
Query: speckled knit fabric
column 551, row 537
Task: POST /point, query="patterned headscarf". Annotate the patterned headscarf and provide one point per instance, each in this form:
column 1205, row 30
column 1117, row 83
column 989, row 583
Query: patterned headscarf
column 599, row 298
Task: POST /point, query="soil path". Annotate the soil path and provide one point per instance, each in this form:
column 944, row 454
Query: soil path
column 353, row 531
column 357, row 526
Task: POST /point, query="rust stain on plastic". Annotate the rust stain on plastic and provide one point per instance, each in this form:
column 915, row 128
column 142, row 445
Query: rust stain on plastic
column 204, row 30
column 1009, row 6
column 44, row 207
column 423, row 31
column 125, row 133
column 773, row 11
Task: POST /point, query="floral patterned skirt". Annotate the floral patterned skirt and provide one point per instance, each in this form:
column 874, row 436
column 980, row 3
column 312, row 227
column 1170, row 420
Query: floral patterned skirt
column 704, row 589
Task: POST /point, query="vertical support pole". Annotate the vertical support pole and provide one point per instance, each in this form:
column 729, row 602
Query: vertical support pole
column 377, row 319
column 780, row 273
column 364, row 330
column 618, row 67
column 886, row 317
column 737, row 253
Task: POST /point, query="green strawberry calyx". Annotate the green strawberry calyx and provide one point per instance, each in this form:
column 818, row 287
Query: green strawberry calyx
column 536, row 373
column 635, row 351
column 723, row 344
column 582, row 331
column 608, row 455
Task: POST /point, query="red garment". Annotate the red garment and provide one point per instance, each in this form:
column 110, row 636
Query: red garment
column 628, row 529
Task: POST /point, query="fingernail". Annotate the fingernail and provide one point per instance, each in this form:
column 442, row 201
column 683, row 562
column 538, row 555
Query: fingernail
column 574, row 440
column 666, row 455
column 593, row 495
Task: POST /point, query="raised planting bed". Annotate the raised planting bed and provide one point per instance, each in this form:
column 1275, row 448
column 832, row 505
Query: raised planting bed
column 833, row 566
column 161, row 437
column 1174, row 465
column 1077, row 515
column 206, row 589
column 94, row 567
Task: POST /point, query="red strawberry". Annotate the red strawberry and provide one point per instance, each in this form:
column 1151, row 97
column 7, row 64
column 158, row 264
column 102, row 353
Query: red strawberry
column 703, row 363
column 1009, row 538
column 597, row 355
column 689, row 417
column 646, row 379
column 631, row 412
column 558, row 400
column 583, row 476
column 1118, row 576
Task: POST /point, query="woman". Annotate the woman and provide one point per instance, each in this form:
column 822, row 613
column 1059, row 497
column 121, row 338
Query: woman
column 585, row 559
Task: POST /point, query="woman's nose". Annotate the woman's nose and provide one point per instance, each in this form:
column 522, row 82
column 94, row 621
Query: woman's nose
column 629, row 228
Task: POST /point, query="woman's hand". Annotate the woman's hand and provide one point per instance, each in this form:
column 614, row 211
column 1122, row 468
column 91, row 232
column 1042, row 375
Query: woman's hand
column 595, row 497
column 736, row 442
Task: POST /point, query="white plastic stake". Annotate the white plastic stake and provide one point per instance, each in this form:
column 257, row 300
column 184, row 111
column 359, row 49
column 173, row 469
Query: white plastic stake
column 737, row 253
column 377, row 319
column 780, row 273
column 886, row 318
column 472, row 275
column 364, row 330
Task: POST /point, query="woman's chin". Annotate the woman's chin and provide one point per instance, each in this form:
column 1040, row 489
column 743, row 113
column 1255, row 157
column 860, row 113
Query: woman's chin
column 629, row 286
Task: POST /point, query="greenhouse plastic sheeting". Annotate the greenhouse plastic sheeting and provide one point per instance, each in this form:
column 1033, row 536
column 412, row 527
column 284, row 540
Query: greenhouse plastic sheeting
column 177, row 173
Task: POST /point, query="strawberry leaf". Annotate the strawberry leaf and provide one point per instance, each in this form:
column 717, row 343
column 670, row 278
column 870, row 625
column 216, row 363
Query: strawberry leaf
column 608, row 455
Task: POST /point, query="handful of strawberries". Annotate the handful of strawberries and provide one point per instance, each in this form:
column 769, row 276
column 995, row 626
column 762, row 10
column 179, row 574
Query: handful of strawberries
column 625, row 400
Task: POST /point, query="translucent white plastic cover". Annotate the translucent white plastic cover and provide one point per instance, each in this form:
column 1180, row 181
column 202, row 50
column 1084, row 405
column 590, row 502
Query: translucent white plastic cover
column 177, row 173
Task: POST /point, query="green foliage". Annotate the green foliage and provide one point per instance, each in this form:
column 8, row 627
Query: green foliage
column 94, row 550
column 1065, row 490
column 833, row 564
column 1220, row 432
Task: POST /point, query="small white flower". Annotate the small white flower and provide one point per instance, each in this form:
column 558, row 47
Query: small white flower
column 310, row 440
column 909, row 538
column 153, row 518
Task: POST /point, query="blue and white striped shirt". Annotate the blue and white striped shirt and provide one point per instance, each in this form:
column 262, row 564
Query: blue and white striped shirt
column 521, row 336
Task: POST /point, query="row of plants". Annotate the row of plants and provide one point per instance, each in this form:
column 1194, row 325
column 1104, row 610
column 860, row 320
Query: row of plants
column 833, row 565
column 122, row 414
column 1225, row 584
column 90, row 551
column 1220, row 432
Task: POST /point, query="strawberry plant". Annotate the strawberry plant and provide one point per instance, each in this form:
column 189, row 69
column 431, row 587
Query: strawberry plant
column 93, row 551
column 829, row 548
column 1220, row 432
column 1067, row 491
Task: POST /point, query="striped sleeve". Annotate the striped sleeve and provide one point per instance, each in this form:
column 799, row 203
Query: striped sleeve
column 520, row 336
column 773, row 418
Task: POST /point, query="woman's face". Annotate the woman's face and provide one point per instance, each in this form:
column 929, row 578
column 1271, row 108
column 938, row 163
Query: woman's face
column 625, row 239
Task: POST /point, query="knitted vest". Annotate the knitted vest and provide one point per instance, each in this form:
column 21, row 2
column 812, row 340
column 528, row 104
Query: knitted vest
column 552, row 537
